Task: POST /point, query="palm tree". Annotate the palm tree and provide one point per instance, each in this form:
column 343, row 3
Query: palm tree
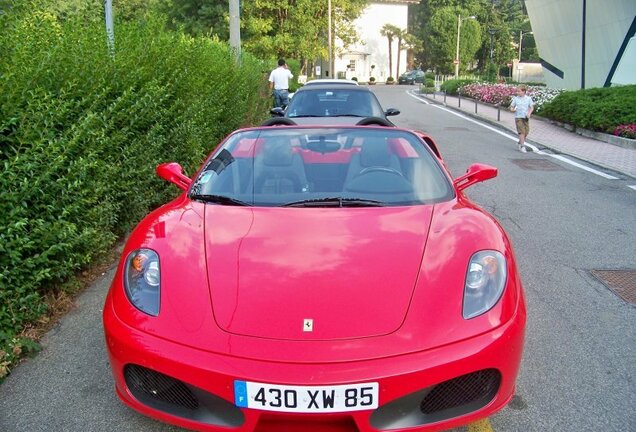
column 389, row 31
column 400, row 34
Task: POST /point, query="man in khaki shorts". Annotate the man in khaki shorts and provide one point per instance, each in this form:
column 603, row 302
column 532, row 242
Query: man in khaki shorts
column 523, row 106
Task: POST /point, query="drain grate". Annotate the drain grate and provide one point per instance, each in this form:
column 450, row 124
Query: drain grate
column 537, row 165
column 621, row 282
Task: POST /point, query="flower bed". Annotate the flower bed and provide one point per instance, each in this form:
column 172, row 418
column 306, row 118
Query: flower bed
column 626, row 131
column 501, row 94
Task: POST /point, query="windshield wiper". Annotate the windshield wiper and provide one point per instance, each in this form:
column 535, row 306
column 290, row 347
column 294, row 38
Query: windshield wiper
column 219, row 199
column 304, row 115
column 348, row 115
column 335, row 202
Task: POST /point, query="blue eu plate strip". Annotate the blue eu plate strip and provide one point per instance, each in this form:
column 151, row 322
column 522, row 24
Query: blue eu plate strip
column 240, row 393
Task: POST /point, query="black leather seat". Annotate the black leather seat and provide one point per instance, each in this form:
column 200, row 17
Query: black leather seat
column 376, row 170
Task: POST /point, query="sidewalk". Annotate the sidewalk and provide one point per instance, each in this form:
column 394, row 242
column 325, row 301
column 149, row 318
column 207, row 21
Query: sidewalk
column 545, row 134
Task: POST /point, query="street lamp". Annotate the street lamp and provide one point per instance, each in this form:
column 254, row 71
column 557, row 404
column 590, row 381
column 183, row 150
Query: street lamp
column 492, row 32
column 521, row 33
column 459, row 26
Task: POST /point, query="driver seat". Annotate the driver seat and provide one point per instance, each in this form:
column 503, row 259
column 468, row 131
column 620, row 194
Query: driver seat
column 374, row 152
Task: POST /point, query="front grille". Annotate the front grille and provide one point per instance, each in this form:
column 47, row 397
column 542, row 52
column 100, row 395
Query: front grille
column 155, row 385
column 463, row 390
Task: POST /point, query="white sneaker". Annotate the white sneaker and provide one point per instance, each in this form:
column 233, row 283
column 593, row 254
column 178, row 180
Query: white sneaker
column 523, row 149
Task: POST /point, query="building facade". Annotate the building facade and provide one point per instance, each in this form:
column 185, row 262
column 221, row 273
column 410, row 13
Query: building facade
column 585, row 43
column 370, row 57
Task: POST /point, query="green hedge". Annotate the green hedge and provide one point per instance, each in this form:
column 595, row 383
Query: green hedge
column 600, row 109
column 452, row 86
column 81, row 132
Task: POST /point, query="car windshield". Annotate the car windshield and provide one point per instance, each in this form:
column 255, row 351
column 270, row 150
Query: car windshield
column 334, row 102
column 322, row 167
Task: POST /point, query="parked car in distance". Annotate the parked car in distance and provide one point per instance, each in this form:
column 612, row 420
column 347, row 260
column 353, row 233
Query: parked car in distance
column 412, row 77
column 333, row 104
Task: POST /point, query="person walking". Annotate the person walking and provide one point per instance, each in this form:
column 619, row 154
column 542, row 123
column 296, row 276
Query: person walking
column 522, row 105
column 279, row 84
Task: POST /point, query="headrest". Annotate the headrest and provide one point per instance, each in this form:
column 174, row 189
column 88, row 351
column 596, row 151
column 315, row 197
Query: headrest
column 375, row 152
column 277, row 153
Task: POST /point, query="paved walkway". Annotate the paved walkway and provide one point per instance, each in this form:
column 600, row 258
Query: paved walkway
column 545, row 134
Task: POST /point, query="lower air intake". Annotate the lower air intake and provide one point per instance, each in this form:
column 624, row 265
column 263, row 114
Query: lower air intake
column 172, row 396
column 464, row 390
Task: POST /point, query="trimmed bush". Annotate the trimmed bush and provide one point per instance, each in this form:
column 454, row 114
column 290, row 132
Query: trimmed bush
column 452, row 86
column 599, row 109
column 81, row 132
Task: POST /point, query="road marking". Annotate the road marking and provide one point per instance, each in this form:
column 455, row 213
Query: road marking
column 480, row 426
column 408, row 92
column 632, row 187
column 534, row 148
column 583, row 167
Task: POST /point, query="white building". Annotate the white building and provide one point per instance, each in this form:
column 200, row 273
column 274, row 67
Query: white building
column 585, row 43
column 357, row 61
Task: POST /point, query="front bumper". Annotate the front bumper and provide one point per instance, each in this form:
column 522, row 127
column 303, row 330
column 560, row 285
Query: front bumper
column 404, row 382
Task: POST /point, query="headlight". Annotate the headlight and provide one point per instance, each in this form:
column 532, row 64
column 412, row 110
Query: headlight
column 142, row 280
column 485, row 281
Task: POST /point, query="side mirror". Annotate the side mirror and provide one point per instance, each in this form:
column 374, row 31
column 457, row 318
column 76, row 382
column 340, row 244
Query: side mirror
column 173, row 173
column 474, row 174
column 391, row 112
column 278, row 112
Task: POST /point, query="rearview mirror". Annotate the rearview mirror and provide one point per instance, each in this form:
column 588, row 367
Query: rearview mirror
column 278, row 112
column 391, row 112
column 474, row 174
column 172, row 172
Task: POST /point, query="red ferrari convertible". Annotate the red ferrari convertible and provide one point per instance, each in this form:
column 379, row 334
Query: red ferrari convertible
column 318, row 278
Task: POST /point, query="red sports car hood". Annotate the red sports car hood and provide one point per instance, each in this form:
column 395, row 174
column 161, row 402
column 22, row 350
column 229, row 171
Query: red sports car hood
column 313, row 274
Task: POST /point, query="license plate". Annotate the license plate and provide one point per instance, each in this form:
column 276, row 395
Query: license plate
column 306, row 399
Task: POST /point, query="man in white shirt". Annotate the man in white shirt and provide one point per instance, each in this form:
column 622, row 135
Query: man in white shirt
column 523, row 106
column 279, row 84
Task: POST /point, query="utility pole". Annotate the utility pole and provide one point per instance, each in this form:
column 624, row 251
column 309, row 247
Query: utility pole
column 235, row 27
column 329, row 40
column 110, row 29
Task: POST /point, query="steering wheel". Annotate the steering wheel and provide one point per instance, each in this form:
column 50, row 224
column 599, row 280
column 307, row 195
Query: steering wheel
column 375, row 121
column 279, row 121
column 371, row 169
column 365, row 182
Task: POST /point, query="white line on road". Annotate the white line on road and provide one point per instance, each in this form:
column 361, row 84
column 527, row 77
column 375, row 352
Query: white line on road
column 408, row 92
column 632, row 187
column 534, row 148
column 583, row 167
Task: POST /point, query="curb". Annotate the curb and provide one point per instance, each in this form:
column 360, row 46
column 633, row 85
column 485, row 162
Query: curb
column 599, row 136
column 494, row 123
column 502, row 127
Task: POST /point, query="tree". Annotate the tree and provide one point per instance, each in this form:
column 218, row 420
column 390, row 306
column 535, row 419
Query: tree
column 506, row 17
column 400, row 34
column 200, row 17
column 413, row 46
column 296, row 28
column 389, row 31
column 442, row 39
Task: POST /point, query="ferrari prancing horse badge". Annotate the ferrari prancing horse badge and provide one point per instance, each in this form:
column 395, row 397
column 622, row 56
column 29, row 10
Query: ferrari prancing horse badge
column 308, row 325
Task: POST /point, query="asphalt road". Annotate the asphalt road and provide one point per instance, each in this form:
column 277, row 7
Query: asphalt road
column 579, row 363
